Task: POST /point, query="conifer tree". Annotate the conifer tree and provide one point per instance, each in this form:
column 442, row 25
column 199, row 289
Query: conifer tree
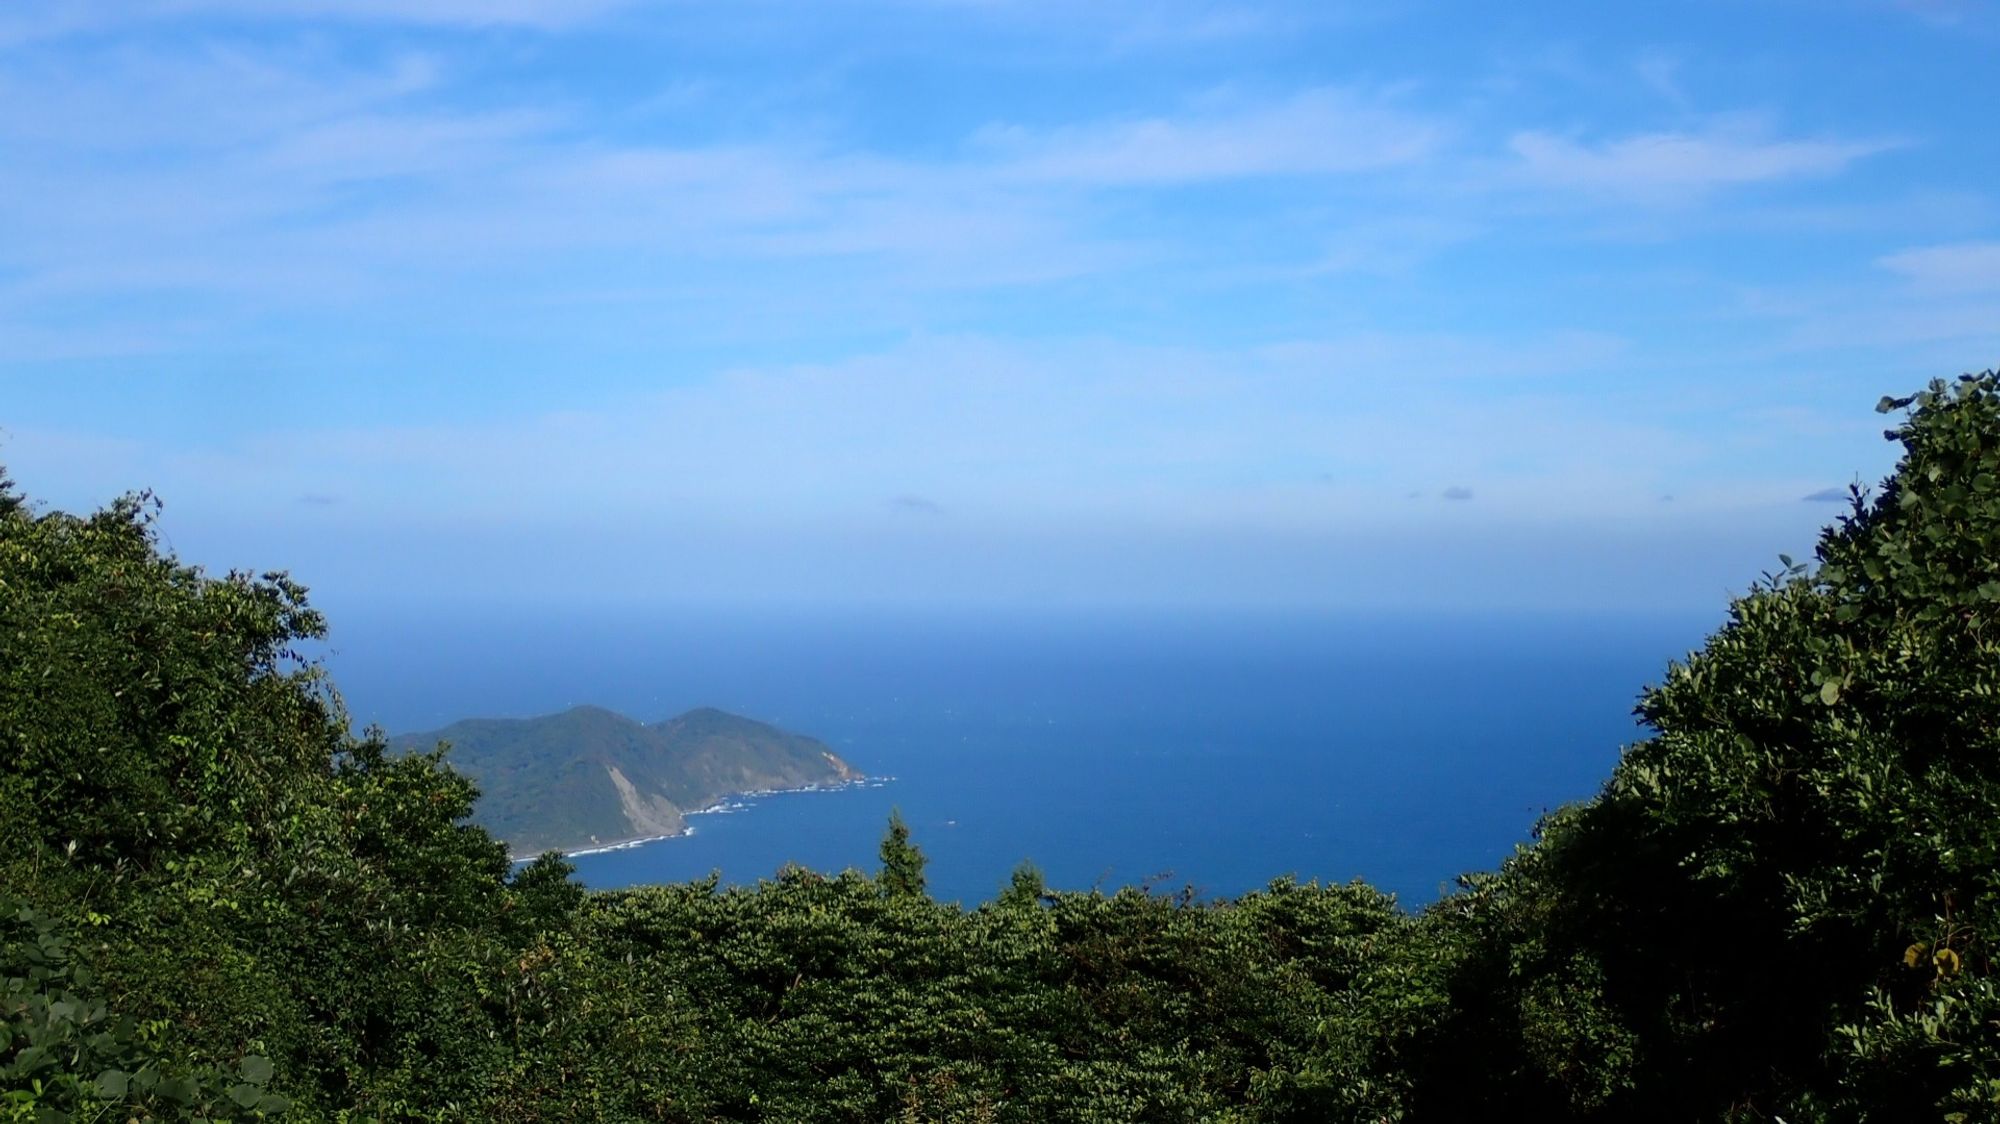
column 902, row 862
column 1025, row 887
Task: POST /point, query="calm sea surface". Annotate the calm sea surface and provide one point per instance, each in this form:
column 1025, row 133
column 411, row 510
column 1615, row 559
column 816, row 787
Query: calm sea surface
column 1217, row 752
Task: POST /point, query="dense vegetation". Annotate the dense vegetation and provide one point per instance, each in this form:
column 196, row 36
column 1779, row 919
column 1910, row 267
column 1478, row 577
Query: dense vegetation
column 216, row 901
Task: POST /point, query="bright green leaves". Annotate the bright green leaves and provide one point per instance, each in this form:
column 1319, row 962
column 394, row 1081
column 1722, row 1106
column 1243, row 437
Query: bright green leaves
column 257, row 1070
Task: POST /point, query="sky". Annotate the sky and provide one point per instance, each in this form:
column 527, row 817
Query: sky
column 993, row 303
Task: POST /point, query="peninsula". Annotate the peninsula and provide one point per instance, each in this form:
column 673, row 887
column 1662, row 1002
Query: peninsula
column 589, row 777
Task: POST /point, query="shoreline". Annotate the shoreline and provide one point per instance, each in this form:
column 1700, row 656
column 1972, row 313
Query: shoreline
column 722, row 805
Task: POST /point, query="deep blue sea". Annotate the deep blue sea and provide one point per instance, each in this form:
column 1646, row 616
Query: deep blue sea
column 1213, row 751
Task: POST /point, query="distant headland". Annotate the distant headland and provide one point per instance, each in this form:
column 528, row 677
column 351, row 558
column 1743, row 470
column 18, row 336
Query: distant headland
column 589, row 778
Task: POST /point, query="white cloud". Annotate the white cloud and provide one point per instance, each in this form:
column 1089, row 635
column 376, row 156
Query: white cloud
column 1953, row 14
column 475, row 13
column 1661, row 73
column 291, row 173
column 30, row 20
column 1670, row 166
column 1963, row 267
column 149, row 107
column 400, row 146
column 1317, row 132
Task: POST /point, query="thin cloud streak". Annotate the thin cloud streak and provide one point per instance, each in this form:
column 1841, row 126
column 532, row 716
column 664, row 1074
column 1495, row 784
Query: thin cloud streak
column 1316, row 132
column 1679, row 166
column 915, row 505
column 30, row 21
column 1965, row 267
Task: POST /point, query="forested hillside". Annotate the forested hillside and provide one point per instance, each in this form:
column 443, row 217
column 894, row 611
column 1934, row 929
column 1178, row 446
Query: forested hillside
column 218, row 902
column 588, row 777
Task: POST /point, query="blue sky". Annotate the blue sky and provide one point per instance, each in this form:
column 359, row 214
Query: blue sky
column 985, row 302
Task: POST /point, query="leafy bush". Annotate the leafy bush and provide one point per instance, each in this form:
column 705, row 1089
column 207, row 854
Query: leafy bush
column 64, row 1057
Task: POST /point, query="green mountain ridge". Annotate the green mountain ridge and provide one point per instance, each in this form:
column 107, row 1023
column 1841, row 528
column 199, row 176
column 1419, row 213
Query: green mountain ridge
column 590, row 777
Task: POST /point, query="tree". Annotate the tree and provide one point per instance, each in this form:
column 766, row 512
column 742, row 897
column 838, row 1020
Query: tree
column 1784, row 902
column 177, row 781
column 10, row 500
column 1025, row 888
column 902, row 862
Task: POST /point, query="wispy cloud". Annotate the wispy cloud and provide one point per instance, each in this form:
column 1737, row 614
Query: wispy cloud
column 1963, row 267
column 1316, row 132
column 1954, row 15
column 1937, row 308
column 473, row 13
column 1680, row 166
column 1660, row 72
column 30, row 20
column 291, row 174
column 911, row 504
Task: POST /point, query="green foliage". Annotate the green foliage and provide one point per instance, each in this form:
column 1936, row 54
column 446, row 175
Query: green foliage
column 819, row 998
column 148, row 711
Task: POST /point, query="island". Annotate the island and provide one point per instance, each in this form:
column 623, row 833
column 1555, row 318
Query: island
column 591, row 778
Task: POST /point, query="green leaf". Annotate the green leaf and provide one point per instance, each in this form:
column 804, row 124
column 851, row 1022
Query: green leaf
column 256, row 1069
column 1829, row 692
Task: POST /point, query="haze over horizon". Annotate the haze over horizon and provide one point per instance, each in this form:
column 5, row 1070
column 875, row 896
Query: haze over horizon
column 949, row 303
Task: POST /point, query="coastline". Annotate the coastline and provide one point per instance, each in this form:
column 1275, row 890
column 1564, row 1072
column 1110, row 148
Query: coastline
column 721, row 805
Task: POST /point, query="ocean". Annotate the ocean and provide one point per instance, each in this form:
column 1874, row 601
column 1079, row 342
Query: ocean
column 1211, row 751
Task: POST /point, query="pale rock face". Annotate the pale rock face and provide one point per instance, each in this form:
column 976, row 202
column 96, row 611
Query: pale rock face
column 648, row 813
